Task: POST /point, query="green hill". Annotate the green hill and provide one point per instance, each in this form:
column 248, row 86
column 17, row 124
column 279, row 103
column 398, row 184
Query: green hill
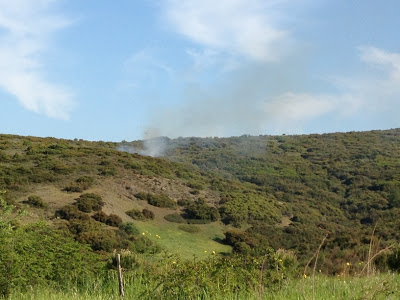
column 280, row 191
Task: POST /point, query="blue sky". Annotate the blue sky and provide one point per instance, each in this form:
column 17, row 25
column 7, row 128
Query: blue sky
column 133, row 69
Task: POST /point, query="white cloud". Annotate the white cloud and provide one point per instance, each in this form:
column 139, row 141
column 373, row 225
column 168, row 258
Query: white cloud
column 300, row 107
column 290, row 112
column 237, row 27
column 379, row 86
column 376, row 56
column 26, row 28
column 210, row 59
column 369, row 100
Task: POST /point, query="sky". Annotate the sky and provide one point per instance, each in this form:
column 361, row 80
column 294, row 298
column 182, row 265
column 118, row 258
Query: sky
column 137, row 69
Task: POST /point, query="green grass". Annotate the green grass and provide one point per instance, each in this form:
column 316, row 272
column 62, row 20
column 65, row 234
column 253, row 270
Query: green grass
column 185, row 244
column 384, row 286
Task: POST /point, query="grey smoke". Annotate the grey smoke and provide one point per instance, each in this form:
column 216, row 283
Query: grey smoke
column 153, row 144
column 233, row 104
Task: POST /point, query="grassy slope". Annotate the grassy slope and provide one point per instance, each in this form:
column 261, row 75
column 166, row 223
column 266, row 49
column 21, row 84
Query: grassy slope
column 28, row 167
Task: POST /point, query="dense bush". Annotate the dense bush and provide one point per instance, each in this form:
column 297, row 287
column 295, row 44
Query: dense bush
column 199, row 210
column 129, row 228
column 36, row 201
column 100, row 240
column 77, row 226
column 136, row 214
column 148, row 214
column 140, row 215
column 141, row 196
column 114, row 220
column 81, row 184
column 73, row 188
column 70, row 212
column 100, row 216
column 175, row 217
column 189, row 228
column 393, row 260
column 89, row 202
column 85, row 182
column 195, row 185
column 241, row 242
column 35, row 254
column 160, row 200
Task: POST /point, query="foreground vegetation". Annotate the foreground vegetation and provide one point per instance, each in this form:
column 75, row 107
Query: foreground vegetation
column 385, row 286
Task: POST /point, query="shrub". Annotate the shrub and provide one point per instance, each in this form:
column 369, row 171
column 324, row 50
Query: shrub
column 73, row 188
column 129, row 228
column 143, row 244
column 240, row 241
column 393, row 260
column 36, row 254
column 195, row 185
column 114, row 220
column 184, row 202
column 70, row 212
column 100, row 216
column 77, row 226
column 143, row 215
column 175, row 217
column 189, row 228
column 198, row 221
column 100, row 240
column 201, row 211
column 80, row 184
column 141, row 196
column 161, row 200
column 136, row 214
column 148, row 214
column 85, row 182
column 36, row 201
column 89, row 202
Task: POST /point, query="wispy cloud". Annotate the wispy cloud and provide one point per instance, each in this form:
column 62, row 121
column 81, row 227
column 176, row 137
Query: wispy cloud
column 236, row 27
column 368, row 99
column 379, row 87
column 379, row 57
column 26, row 28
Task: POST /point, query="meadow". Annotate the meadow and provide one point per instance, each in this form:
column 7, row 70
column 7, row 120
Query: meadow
column 383, row 286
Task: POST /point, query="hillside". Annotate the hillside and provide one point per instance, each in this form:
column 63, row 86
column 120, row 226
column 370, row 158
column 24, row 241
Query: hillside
column 280, row 191
column 340, row 184
column 53, row 170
